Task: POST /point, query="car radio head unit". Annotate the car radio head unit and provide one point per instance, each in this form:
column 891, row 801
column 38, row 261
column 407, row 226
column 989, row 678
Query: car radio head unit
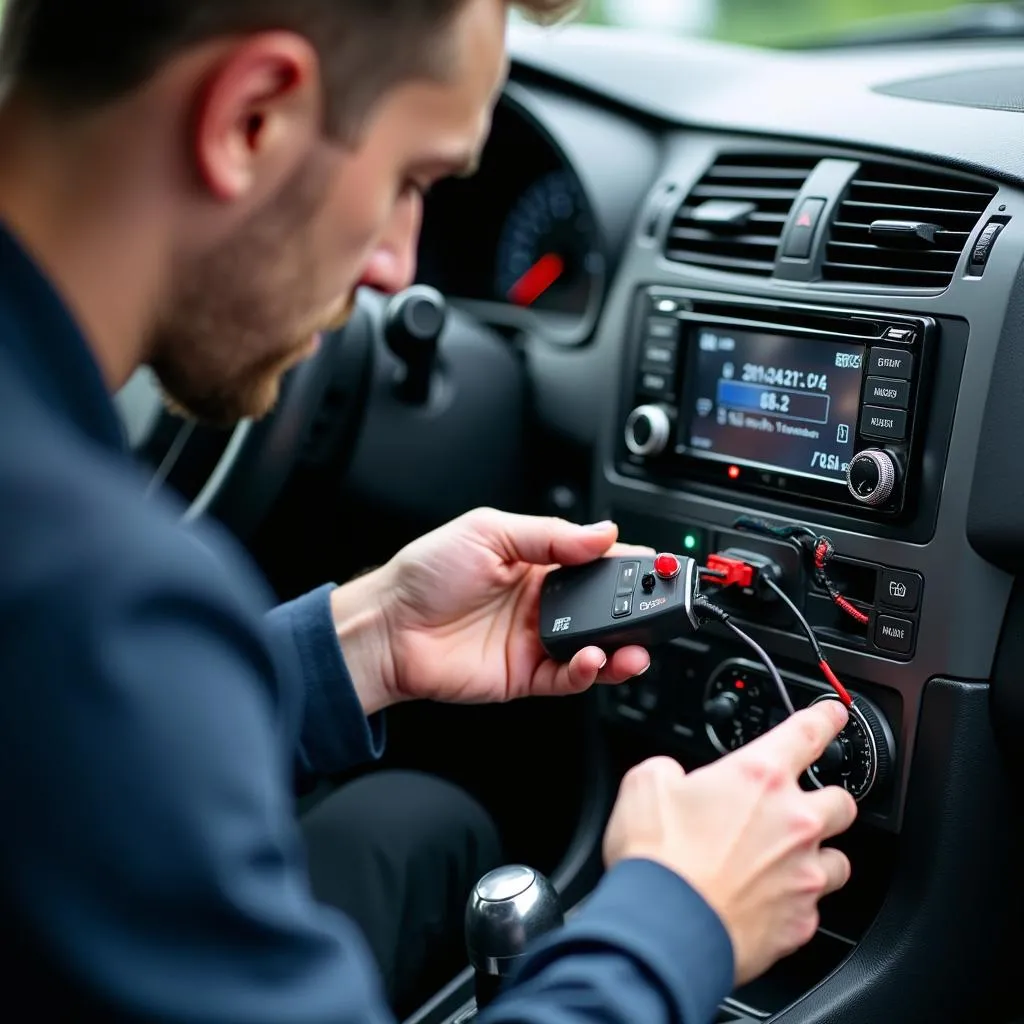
column 802, row 402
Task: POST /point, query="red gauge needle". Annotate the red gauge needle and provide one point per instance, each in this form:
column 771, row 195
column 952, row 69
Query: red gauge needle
column 537, row 280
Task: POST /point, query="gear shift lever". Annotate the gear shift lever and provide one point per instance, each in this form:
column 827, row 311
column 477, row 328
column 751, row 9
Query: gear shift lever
column 413, row 322
column 508, row 909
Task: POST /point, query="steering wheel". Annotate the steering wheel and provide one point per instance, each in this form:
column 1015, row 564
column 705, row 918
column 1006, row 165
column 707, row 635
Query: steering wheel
column 236, row 476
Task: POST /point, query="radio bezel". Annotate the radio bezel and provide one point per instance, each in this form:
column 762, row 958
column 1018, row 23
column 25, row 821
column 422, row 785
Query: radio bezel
column 693, row 310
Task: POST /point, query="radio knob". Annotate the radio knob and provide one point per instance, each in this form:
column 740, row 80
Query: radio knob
column 871, row 476
column 648, row 430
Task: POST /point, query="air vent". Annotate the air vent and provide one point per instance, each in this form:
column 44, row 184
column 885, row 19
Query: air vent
column 903, row 227
column 734, row 218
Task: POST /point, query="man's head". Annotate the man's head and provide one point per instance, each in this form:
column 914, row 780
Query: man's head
column 283, row 146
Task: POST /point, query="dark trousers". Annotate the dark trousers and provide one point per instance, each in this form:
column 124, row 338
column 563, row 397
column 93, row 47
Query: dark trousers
column 399, row 853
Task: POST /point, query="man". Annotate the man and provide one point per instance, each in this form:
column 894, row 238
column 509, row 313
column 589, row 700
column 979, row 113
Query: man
column 200, row 185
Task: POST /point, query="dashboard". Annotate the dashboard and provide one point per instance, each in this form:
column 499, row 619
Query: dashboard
column 774, row 295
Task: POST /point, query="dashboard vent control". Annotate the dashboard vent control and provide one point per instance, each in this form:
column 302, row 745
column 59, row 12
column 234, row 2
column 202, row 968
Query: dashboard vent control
column 734, row 218
column 903, row 227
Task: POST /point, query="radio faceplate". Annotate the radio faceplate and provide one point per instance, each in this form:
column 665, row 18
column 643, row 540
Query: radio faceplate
column 815, row 404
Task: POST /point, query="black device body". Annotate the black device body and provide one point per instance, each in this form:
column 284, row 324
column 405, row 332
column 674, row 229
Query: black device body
column 617, row 602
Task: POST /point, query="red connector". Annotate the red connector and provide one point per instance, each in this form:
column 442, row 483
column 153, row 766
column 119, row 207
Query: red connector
column 729, row 572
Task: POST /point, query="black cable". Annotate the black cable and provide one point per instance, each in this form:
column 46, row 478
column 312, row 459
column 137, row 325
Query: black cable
column 702, row 604
column 798, row 615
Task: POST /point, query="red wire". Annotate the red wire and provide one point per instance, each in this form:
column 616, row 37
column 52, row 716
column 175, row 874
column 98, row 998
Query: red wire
column 854, row 613
column 826, row 671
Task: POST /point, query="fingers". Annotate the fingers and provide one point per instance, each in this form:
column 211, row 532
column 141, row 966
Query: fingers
column 545, row 541
column 801, row 739
column 625, row 550
column 837, row 869
column 624, row 665
column 591, row 666
column 835, row 808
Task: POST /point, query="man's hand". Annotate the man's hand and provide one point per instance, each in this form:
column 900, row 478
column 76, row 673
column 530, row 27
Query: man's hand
column 454, row 616
column 744, row 835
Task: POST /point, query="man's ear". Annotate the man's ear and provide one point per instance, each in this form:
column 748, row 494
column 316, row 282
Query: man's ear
column 257, row 116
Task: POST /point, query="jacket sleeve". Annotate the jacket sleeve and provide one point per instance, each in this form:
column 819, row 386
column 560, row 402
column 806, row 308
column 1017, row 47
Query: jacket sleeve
column 154, row 866
column 335, row 733
column 645, row 947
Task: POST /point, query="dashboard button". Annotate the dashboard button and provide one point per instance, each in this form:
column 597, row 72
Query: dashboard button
column 878, row 422
column 983, row 248
column 800, row 239
column 660, row 357
column 662, row 329
column 657, row 385
column 900, row 590
column 904, row 335
column 894, row 635
column 892, row 393
column 891, row 362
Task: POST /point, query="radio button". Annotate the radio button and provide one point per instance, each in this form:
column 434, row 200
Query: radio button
column 891, row 362
column 904, row 335
column 657, row 385
column 894, row 635
column 900, row 590
column 894, row 394
column 662, row 329
column 660, row 357
column 888, row 423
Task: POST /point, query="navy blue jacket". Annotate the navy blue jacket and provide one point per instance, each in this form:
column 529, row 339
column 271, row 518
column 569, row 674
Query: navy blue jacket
column 155, row 711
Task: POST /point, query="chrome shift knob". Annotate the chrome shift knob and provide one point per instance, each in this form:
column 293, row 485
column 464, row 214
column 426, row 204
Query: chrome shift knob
column 507, row 910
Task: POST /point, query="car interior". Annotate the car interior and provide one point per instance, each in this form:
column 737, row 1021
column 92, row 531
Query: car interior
column 675, row 252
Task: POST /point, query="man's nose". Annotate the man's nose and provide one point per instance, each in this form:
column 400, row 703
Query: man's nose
column 392, row 267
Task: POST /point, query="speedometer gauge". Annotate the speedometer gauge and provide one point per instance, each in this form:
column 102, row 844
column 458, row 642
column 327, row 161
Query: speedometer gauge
column 548, row 258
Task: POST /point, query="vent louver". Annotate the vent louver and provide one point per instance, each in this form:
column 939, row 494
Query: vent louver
column 734, row 218
column 903, row 227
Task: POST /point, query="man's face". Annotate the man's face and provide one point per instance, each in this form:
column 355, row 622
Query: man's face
column 252, row 306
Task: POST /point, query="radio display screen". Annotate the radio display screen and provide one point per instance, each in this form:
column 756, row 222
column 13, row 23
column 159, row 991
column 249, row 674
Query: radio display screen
column 788, row 404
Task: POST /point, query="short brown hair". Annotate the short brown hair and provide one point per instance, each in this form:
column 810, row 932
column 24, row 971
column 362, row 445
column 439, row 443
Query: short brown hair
column 83, row 53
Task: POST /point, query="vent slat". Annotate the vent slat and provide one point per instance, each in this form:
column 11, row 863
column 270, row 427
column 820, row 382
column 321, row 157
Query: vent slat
column 723, row 262
column 897, row 192
column 698, row 235
column 770, row 183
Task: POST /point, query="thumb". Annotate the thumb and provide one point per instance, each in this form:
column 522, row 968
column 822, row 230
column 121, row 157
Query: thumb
column 551, row 541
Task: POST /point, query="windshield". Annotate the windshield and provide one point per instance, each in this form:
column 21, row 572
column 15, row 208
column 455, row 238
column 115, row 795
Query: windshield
column 785, row 23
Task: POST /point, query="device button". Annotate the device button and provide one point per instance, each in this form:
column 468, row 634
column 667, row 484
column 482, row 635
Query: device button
column 628, row 573
column 622, row 607
column 657, row 385
column 900, row 589
column 667, row 567
column 891, row 362
column 892, row 393
column 888, row 423
column 800, row 239
column 904, row 335
column 894, row 635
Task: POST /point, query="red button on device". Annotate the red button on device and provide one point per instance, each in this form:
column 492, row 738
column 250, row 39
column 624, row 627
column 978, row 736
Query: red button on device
column 667, row 566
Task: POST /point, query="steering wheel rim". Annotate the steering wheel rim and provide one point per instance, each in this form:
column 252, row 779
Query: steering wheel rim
column 259, row 456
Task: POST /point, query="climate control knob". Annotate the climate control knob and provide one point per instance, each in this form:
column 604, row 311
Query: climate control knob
column 861, row 758
column 648, row 430
column 871, row 476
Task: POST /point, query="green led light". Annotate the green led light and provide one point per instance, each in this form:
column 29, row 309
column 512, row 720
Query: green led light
column 690, row 542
